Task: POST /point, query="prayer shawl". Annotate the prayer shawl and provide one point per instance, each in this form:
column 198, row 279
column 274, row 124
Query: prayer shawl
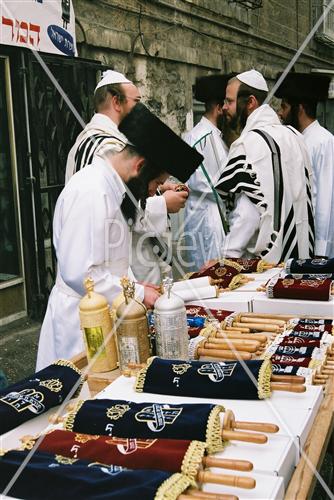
column 312, row 266
column 268, row 173
column 206, row 379
column 37, row 394
column 285, row 288
column 99, row 134
column 127, row 419
column 204, row 232
column 52, row 477
column 320, row 145
column 171, row 455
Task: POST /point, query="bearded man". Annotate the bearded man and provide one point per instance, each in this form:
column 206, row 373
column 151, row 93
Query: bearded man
column 266, row 179
column 300, row 93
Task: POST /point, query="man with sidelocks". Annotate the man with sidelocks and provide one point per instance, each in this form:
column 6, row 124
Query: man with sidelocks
column 267, row 178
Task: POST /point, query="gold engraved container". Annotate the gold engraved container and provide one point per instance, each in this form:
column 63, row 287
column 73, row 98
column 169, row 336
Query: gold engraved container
column 132, row 328
column 97, row 326
column 170, row 320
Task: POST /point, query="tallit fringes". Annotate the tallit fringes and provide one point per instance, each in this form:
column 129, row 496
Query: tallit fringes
column 141, row 375
column 193, row 457
column 69, row 421
column 174, row 486
column 214, row 439
column 263, row 382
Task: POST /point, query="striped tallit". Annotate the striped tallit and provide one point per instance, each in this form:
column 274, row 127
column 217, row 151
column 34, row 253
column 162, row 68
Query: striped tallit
column 269, row 165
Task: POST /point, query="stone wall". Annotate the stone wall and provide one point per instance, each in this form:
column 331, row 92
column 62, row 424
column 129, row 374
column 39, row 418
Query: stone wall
column 164, row 44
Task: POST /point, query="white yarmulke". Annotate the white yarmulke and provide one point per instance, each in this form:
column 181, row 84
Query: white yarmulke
column 254, row 79
column 110, row 77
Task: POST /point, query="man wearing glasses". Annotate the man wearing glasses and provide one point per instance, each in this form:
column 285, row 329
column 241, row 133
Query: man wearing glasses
column 266, row 178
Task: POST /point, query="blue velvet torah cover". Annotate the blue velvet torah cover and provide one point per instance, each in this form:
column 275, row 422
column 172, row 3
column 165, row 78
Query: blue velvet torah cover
column 54, row 477
column 200, row 422
column 36, row 394
column 206, row 379
column 310, row 266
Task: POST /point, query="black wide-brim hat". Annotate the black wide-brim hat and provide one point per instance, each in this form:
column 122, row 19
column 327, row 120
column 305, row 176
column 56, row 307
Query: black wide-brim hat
column 211, row 88
column 159, row 144
column 301, row 86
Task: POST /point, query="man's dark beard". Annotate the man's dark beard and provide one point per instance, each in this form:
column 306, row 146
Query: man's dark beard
column 138, row 186
column 228, row 129
column 241, row 114
column 292, row 117
column 129, row 205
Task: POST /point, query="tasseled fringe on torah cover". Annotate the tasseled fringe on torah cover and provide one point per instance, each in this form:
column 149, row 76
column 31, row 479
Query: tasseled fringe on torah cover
column 206, row 379
column 37, row 394
column 171, row 455
column 48, row 476
column 127, row 419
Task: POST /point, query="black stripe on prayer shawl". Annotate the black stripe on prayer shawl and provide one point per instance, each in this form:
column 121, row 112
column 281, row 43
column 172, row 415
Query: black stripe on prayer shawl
column 310, row 212
column 238, row 179
column 87, row 149
column 289, row 242
column 277, row 176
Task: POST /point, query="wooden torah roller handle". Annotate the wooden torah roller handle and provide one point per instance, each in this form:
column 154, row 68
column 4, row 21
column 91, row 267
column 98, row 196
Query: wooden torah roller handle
column 226, row 479
column 227, row 463
column 229, row 422
column 248, row 437
column 277, row 386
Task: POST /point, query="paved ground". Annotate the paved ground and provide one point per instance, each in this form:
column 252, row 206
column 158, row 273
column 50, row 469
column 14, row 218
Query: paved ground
column 18, row 350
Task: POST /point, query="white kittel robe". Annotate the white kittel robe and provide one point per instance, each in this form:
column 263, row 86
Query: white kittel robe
column 91, row 238
column 270, row 179
column 102, row 133
column 320, row 144
column 203, row 226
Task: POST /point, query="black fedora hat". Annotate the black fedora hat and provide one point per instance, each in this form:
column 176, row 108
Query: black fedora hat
column 303, row 86
column 211, row 88
column 159, row 144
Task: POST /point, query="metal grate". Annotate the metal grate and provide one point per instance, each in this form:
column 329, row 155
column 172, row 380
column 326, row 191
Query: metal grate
column 248, row 4
column 53, row 131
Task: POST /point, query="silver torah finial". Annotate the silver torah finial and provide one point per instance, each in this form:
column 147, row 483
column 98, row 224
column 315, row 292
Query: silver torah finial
column 167, row 284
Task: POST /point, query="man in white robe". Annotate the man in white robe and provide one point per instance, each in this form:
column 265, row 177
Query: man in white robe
column 114, row 97
column 91, row 234
column 267, row 176
column 203, row 225
column 300, row 94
